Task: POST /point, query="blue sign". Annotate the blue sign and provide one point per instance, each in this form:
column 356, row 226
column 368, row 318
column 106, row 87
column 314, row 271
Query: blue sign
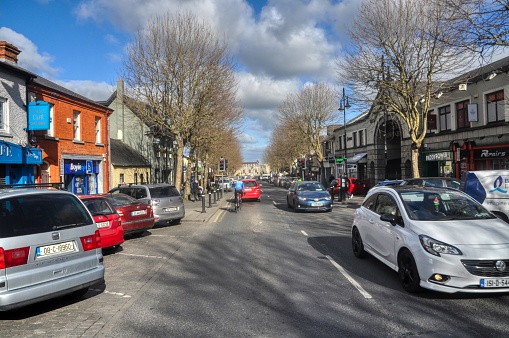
column 38, row 115
column 16, row 154
column 90, row 167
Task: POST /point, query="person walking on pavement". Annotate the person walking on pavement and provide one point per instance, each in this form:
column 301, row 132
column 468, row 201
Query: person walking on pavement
column 331, row 186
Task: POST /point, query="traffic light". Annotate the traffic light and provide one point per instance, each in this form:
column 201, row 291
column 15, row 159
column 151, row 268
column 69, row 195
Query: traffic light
column 225, row 164
column 340, row 159
column 221, row 164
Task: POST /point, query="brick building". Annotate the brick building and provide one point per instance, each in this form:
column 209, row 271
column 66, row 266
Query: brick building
column 75, row 147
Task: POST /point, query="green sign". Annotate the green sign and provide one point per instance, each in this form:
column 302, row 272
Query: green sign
column 339, row 160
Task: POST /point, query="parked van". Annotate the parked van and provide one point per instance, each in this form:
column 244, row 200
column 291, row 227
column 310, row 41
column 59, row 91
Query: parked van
column 491, row 189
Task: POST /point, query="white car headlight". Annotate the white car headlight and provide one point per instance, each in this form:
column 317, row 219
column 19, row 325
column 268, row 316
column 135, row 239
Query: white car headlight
column 436, row 248
column 301, row 198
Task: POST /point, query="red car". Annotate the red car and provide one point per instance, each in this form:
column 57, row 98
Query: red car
column 106, row 218
column 252, row 189
column 136, row 216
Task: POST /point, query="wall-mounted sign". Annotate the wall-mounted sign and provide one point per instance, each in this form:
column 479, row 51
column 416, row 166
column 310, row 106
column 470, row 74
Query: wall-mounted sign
column 38, row 115
column 472, row 112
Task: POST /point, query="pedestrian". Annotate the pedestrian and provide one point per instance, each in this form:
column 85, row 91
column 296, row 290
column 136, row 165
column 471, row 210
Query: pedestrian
column 347, row 187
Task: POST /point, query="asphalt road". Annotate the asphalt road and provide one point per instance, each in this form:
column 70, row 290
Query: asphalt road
column 264, row 272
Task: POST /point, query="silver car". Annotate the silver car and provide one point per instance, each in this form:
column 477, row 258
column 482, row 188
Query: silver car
column 49, row 247
column 165, row 199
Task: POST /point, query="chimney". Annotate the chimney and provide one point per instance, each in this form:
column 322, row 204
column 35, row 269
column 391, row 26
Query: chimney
column 8, row 52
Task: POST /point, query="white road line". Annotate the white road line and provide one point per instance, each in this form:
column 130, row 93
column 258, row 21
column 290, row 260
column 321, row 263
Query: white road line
column 146, row 256
column 304, row 233
column 350, row 279
column 123, row 295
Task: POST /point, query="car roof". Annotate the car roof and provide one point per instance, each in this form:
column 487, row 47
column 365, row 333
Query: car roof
column 151, row 185
column 85, row 197
column 402, row 188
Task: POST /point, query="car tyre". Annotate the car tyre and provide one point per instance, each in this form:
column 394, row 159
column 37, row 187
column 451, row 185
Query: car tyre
column 357, row 244
column 288, row 203
column 408, row 274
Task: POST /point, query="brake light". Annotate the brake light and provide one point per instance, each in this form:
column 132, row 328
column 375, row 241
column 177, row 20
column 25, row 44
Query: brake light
column 13, row 257
column 91, row 242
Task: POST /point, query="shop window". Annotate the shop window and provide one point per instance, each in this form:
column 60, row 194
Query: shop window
column 462, row 115
column 495, row 106
column 444, row 114
column 4, row 115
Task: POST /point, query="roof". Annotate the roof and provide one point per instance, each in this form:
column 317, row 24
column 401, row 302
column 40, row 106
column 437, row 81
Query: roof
column 122, row 155
column 16, row 69
column 51, row 85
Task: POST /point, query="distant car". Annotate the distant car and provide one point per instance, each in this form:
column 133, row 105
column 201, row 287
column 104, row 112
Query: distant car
column 308, row 195
column 389, row 183
column 434, row 237
column 166, row 201
column 107, row 219
column 136, row 217
column 49, row 247
column 225, row 183
column 450, row 182
column 252, row 189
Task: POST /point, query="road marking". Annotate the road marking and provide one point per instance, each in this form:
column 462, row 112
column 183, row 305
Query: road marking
column 304, row 233
column 112, row 293
column 350, row 279
column 146, row 256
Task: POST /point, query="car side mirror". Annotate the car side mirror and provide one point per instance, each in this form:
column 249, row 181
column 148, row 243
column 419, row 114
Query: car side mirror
column 393, row 219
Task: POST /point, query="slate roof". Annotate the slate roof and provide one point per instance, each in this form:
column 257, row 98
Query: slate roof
column 17, row 69
column 122, row 155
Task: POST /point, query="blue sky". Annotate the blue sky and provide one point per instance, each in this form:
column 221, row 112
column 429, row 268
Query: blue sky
column 279, row 46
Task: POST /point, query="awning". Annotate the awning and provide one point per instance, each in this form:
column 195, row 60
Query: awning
column 12, row 153
column 356, row 158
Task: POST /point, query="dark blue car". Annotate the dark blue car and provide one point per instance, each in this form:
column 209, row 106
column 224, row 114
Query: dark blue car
column 308, row 195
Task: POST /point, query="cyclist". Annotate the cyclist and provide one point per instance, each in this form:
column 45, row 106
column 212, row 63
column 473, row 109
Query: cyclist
column 238, row 186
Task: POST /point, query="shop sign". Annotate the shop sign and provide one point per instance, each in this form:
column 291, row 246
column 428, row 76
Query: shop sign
column 38, row 115
column 439, row 156
column 491, row 153
column 78, row 167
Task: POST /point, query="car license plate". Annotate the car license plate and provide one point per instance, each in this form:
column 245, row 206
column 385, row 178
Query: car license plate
column 55, row 249
column 316, row 204
column 103, row 224
column 494, row 282
column 138, row 212
column 169, row 209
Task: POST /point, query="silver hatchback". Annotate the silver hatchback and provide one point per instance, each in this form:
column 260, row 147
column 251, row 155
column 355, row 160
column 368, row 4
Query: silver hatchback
column 165, row 199
column 49, row 247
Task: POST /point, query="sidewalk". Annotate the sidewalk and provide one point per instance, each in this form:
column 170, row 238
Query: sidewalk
column 194, row 210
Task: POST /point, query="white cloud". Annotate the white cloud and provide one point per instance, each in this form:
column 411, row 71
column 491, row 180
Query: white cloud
column 30, row 58
column 96, row 91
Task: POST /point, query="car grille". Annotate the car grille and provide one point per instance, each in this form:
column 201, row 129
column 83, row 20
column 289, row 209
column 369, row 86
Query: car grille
column 485, row 268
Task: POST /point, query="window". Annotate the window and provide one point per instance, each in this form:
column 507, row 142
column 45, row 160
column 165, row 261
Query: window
column 4, row 115
column 98, row 130
column 495, row 102
column 444, row 114
column 121, row 178
column 462, row 115
column 76, row 125
column 361, row 138
column 51, row 130
column 354, row 138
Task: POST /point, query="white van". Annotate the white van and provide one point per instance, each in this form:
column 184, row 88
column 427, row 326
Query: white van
column 491, row 189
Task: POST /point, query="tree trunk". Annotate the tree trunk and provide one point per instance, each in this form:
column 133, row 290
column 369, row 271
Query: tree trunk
column 415, row 162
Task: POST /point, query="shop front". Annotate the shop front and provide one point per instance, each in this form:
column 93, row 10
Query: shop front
column 81, row 176
column 471, row 157
column 18, row 165
column 438, row 163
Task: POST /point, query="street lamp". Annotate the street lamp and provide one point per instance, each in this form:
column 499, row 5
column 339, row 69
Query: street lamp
column 343, row 105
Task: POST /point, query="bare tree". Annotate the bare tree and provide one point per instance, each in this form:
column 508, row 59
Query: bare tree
column 309, row 112
column 286, row 144
column 484, row 22
column 181, row 76
column 401, row 54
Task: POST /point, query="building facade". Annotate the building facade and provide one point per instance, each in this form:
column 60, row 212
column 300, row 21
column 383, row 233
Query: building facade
column 468, row 129
column 19, row 156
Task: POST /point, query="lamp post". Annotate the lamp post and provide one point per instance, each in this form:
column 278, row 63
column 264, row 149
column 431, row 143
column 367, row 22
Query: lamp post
column 343, row 105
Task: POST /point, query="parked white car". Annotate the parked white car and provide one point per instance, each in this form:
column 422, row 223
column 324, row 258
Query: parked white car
column 435, row 238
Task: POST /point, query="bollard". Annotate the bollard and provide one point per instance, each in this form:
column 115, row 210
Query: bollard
column 210, row 199
column 214, row 197
column 203, row 204
column 221, row 193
